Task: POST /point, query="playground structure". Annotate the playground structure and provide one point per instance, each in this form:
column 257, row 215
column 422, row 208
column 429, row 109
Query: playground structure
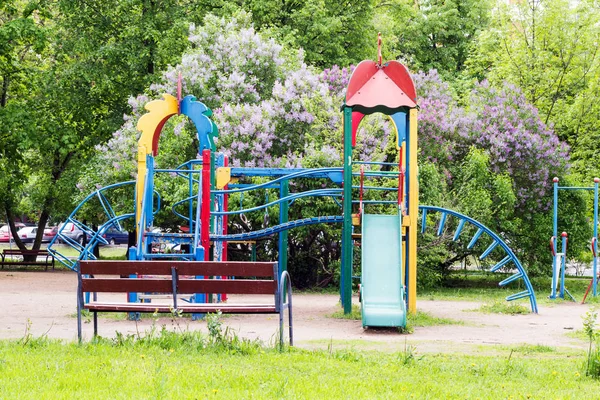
column 388, row 243
column 559, row 259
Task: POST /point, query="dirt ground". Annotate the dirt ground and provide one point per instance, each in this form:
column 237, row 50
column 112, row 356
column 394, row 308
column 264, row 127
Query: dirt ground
column 44, row 303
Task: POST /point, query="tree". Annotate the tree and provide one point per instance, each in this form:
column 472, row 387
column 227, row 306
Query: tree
column 550, row 50
column 100, row 54
column 329, row 31
column 435, row 34
column 23, row 38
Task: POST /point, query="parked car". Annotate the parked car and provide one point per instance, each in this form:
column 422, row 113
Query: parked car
column 49, row 233
column 71, row 231
column 114, row 236
column 27, row 234
column 5, row 236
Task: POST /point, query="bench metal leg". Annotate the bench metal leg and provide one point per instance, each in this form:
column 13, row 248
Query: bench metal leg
column 285, row 287
column 95, row 324
column 79, row 306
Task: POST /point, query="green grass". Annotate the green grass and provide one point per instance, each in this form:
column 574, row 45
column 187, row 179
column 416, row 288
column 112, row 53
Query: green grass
column 354, row 315
column 422, row 318
column 190, row 365
column 503, row 308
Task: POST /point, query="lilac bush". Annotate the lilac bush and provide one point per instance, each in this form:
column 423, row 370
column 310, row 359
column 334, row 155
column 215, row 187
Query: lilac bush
column 499, row 121
column 518, row 142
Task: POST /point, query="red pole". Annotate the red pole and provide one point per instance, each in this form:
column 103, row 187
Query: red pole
column 400, row 180
column 205, row 210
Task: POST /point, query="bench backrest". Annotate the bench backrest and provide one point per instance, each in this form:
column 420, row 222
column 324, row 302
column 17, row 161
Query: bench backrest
column 25, row 252
column 156, row 277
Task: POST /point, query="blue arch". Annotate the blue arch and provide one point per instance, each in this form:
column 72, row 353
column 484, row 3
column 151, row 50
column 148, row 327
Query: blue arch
column 496, row 241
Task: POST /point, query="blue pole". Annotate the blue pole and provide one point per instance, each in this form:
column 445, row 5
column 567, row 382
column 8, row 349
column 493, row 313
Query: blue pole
column 555, row 212
column 562, row 265
column 284, row 191
column 595, row 242
column 555, row 259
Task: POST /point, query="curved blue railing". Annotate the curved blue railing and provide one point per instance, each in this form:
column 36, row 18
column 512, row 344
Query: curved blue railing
column 299, row 174
column 496, row 241
column 84, row 252
column 336, row 219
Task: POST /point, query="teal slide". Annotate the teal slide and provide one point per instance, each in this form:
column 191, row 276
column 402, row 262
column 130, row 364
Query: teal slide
column 382, row 287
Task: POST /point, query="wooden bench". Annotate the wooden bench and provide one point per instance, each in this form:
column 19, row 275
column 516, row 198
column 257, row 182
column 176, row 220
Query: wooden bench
column 47, row 261
column 174, row 278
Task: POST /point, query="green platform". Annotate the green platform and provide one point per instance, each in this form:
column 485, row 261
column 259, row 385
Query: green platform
column 382, row 289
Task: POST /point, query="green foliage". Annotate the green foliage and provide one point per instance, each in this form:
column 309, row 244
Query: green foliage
column 330, row 32
column 435, row 34
column 549, row 49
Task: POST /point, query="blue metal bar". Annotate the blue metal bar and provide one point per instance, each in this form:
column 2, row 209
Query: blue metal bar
column 510, row 254
column 374, row 163
column 376, row 174
column 286, row 173
column 459, row 228
column 488, row 250
column 519, row 295
column 442, row 223
column 293, row 196
column 575, row 188
column 388, row 189
column 510, row 279
column 180, row 171
column 169, row 255
column 501, row 264
column 335, row 219
column 475, row 238
column 595, row 242
column 247, row 185
column 198, row 224
column 303, row 173
column 375, row 201
column 564, row 240
column 424, row 221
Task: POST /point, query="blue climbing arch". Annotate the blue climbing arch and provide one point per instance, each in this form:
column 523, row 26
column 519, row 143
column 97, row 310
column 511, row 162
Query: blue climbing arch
column 482, row 230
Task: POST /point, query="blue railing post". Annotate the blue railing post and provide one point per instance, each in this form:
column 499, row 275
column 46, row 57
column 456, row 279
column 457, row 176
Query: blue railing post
column 595, row 241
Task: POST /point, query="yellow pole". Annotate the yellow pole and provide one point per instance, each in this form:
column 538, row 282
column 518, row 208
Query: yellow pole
column 413, row 211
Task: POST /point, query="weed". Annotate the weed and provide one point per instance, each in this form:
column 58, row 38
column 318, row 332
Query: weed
column 407, row 355
column 592, row 367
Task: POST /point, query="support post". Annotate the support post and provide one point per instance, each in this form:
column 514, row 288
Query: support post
column 412, row 189
column 555, row 212
column 562, row 265
column 595, row 242
column 284, row 190
column 205, row 210
column 225, row 222
column 346, row 267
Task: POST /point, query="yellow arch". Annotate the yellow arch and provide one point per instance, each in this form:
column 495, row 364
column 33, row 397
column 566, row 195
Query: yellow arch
column 151, row 124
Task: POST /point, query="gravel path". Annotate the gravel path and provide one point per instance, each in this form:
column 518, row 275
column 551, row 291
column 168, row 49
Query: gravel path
column 44, row 303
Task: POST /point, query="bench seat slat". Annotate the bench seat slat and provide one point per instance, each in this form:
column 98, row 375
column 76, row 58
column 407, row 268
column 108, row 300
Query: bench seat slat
column 19, row 262
column 191, row 308
column 208, row 268
column 184, row 286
